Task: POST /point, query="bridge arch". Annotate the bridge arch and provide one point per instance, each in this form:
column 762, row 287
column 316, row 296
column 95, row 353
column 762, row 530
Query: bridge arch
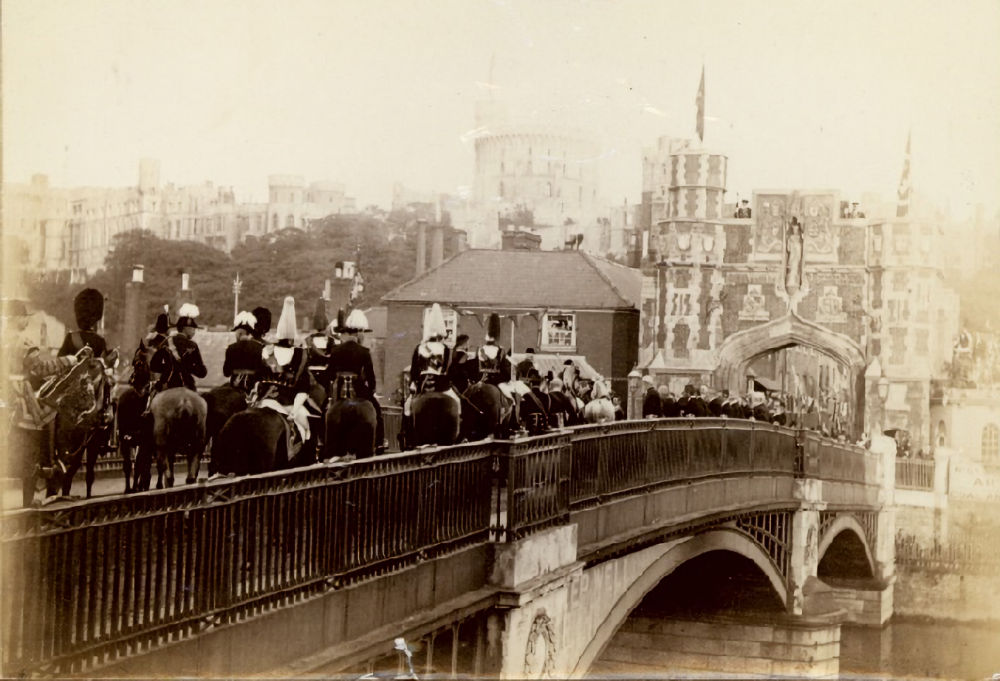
column 721, row 539
column 849, row 524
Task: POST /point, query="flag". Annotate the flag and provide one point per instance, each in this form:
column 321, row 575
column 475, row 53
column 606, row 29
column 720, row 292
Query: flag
column 903, row 204
column 700, row 103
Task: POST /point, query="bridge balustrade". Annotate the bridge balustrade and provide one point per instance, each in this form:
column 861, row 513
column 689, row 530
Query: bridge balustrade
column 915, row 474
column 121, row 575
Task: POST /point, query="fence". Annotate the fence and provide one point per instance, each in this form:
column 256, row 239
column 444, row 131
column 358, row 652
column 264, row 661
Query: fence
column 122, row 576
column 959, row 556
column 95, row 581
column 915, row 474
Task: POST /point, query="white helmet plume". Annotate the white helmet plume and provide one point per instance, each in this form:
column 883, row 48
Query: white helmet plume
column 434, row 324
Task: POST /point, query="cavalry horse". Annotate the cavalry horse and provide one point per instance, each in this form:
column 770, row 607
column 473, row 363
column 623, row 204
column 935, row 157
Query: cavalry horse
column 259, row 440
column 600, row 409
column 350, row 421
column 485, row 412
column 81, row 398
column 171, row 423
column 435, row 416
column 133, row 426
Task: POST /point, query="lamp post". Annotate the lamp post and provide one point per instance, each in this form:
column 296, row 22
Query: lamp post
column 634, row 379
column 237, row 287
column 751, row 379
column 883, row 394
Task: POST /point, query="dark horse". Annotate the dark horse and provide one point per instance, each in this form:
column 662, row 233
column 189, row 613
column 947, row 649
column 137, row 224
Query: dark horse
column 486, row 412
column 258, row 440
column 179, row 416
column 350, row 421
column 172, row 423
column 223, row 403
column 81, row 398
column 134, row 426
column 435, row 417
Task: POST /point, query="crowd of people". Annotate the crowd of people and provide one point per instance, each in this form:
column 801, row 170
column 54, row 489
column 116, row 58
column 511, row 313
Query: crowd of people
column 769, row 407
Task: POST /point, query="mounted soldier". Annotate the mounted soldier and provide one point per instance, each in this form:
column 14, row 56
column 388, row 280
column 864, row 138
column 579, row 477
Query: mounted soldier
column 88, row 308
column 288, row 386
column 432, row 414
column 431, row 357
column 178, row 360
column 244, row 364
column 351, row 362
column 318, row 343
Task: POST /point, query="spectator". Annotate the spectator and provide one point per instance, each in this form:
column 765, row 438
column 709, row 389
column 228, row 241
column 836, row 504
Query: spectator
column 651, row 406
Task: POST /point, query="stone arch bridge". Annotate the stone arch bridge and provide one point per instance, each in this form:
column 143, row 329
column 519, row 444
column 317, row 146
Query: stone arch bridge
column 515, row 558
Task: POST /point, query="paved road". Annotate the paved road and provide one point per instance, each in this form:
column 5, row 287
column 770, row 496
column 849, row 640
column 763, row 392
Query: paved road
column 106, row 484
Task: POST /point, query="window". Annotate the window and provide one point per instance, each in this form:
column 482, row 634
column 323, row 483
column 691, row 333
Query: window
column 559, row 332
column 450, row 324
column 991, row 442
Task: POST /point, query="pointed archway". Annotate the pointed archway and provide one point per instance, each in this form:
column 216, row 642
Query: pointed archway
column 740, row 349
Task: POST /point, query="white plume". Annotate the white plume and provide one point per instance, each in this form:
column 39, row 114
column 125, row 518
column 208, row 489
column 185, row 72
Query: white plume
column 245, row 317
column 188, row 310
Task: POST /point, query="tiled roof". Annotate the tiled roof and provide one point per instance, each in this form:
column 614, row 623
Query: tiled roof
column 513, row 279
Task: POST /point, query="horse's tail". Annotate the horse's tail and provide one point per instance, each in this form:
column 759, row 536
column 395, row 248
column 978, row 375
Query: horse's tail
column 187, row 420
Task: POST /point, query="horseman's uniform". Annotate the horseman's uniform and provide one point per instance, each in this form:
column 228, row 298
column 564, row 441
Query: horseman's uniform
column 244, row 364
column 287, row 385
column 178, row 360
column 535, row 406
column 351, row 358
column 318, row 343
column 88, row 307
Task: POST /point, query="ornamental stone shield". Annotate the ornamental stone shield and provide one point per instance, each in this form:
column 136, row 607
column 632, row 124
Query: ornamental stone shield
column 540, row 654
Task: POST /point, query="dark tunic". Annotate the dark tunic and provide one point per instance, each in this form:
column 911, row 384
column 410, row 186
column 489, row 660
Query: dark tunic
column 77, row 340
column 459, row 370
column 352, row 357
column 178, row 361
column 534, row 411
column 670, row 408
column 651, row 404
column 244, row 364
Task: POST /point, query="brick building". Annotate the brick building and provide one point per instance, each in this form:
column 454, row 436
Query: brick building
column 562, row 302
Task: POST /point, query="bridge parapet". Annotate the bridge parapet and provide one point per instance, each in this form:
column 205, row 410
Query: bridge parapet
column 102, row 580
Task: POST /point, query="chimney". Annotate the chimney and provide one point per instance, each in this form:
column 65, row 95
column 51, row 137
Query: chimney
column 421, row 246
column 133, row 326
column 185, row 295
column 437, row 245
column 518, row 240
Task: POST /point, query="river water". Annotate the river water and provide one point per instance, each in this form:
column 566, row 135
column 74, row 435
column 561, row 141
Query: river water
column 911, row 648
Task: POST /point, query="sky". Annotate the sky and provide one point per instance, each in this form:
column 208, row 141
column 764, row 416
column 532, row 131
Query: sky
column 368, row 92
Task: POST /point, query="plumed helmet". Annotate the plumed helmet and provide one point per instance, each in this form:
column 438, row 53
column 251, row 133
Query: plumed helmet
column 493, row 328
column 357, row 322
column 186, row 316
column 88, row 307
column 246, row 321
column 263, row 316
column 434, row 324
column 320, row 322
column 287, row 331
column 162, row 325
column 340, row 325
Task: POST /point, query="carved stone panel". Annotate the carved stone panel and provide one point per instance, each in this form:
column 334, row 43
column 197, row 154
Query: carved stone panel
column 754, row 305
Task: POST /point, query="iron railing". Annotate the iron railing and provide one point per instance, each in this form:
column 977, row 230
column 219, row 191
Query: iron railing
column 915, row 474
column 95, row 581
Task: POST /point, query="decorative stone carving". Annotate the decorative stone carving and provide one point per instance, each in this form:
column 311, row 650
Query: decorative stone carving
column 830, row 307
column 817, row 224
column 754, row 305
column 770, row 225
column 539, row 657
